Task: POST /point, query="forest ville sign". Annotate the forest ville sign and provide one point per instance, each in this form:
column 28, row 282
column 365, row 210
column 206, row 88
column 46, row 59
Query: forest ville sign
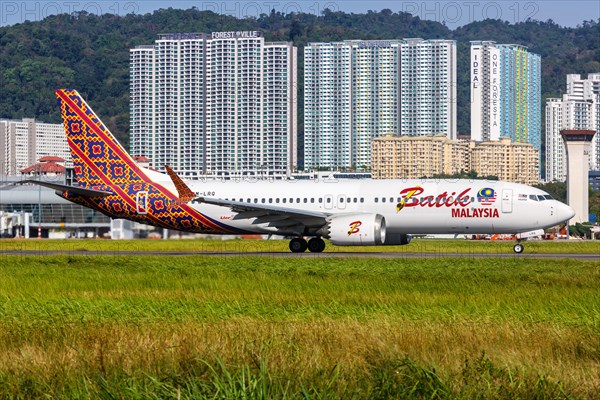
column 236, row 35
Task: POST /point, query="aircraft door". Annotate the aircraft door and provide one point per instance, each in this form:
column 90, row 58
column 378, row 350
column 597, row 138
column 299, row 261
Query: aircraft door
column 507, row 197
column 141, row 203
column 341, row 202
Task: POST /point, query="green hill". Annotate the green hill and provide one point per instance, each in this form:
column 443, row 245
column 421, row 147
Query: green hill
column 91, row 53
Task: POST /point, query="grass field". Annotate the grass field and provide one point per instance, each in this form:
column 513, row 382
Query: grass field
column 263, row 327
column 440, row 246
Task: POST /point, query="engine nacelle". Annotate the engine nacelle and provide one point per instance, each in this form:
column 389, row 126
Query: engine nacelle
column 356, row 229
column 394, row 239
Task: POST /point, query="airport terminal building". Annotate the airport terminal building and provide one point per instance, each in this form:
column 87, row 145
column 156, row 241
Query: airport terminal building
column 26, row 209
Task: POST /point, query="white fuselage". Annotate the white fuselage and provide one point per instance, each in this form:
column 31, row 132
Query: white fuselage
column 408, row 206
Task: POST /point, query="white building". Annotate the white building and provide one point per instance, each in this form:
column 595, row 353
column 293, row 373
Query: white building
column 505, row 93
column 578, row 109
column 23, row 142
column 556, row 158
column 350, row 97
column 357, row 90
column 428, row 87
column 213, row 103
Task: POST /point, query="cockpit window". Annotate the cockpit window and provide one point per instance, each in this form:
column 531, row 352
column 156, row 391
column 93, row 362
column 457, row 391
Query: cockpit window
column 540, row 197
column 548, row 197
column 533, row 197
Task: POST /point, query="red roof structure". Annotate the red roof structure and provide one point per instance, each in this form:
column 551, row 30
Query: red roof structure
column 51, row 158
column 46, row 165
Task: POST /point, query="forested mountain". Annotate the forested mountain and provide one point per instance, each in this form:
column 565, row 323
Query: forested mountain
column 91, row 53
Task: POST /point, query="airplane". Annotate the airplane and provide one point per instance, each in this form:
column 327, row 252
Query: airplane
column 348, row 213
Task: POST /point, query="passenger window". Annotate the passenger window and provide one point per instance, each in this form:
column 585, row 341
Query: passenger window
column 355, row 200
column 305, row 200
column 277, row 200
column 312, row 199
column 248, row 201
column 284, row 199
column 362, row 199
column 320, row 199
column 298, row 200
column 262, row 201
column 383, row 199
column 391, row 199
column 256, row 200
column 328, row 200
column 270, row 201
column 376, row 199
column 341, row 200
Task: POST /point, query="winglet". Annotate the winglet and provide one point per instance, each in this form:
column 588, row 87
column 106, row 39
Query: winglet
column 185, row 193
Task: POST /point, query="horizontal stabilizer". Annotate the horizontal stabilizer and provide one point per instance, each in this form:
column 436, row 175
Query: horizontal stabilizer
column 72, row 189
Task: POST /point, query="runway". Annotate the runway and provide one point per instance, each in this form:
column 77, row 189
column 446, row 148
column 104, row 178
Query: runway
column 307, row 255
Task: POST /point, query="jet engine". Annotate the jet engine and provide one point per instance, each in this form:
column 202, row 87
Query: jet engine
column 401, row 239
column 355, row 229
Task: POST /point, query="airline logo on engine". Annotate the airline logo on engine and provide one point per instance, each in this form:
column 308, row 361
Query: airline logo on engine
column 354, row 227
column 457, row 202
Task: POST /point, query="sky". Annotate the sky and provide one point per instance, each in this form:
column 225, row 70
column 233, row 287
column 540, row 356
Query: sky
column 453, row 13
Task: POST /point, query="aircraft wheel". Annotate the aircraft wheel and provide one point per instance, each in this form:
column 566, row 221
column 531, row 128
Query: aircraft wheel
column 316, row 245
column 518, row 248
column 298, row 245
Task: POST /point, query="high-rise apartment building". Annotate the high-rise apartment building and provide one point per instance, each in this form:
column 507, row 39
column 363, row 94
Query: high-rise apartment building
column 505, row 93
column 428, row 87
column 214, row 103
column 23, row 142
column 350, row 97
column 358, row 90
column 556, row 158
column 578, row 109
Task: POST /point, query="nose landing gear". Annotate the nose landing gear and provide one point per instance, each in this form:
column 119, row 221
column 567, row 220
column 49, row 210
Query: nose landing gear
column 518, row 248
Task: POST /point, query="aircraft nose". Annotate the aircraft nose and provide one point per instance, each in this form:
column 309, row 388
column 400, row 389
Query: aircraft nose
column 564, row 212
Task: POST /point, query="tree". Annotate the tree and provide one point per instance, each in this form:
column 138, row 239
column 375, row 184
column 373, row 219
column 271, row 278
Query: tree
column 558, row 190
column 580, row 230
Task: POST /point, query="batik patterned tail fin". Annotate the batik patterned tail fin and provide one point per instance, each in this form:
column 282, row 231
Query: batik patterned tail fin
column 98, row 158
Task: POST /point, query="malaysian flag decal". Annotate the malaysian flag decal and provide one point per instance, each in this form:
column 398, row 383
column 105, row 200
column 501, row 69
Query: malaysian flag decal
column 486, row 196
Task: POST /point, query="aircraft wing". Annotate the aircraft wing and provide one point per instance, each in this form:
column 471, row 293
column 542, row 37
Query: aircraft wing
column 278, row 217
column 73, row 189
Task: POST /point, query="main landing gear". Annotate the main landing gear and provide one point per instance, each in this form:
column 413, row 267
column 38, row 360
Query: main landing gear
column 314, row 245
column 518, row 248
